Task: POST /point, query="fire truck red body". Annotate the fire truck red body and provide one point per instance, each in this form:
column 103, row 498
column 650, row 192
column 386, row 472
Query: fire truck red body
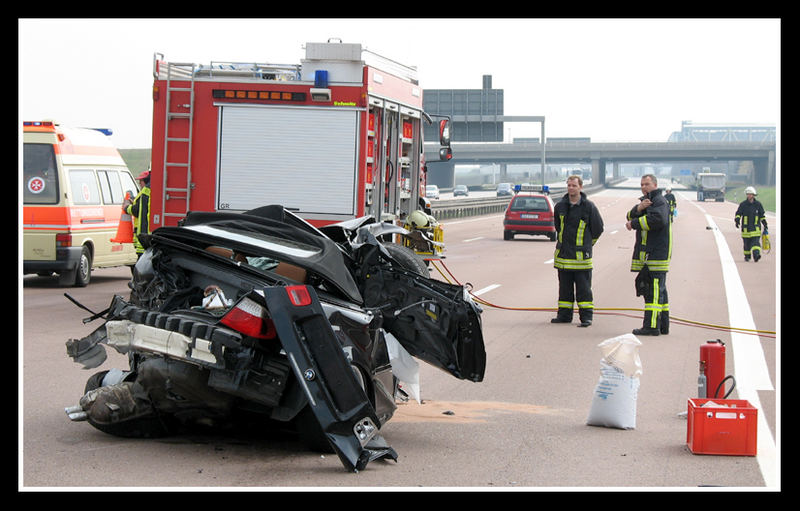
column 336, row 137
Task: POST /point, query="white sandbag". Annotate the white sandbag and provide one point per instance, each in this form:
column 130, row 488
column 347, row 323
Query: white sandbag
column 614, row 399
column 404, row 366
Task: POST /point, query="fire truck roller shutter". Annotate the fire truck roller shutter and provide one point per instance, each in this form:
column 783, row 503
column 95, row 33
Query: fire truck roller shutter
column 304, row 158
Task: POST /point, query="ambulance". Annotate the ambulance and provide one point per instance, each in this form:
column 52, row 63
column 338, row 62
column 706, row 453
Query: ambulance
column 73, row 184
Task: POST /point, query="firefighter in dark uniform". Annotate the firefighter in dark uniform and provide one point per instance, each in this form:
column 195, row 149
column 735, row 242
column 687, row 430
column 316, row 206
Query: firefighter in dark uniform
column 651, row 255
column 139, row 209
column 749, row 218
column 673, row 203
column 578, row 226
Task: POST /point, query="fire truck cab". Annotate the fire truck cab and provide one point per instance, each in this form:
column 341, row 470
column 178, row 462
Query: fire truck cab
column 334, row 138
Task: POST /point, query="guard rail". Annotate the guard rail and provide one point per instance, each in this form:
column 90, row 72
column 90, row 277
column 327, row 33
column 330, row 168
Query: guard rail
column 464, row 207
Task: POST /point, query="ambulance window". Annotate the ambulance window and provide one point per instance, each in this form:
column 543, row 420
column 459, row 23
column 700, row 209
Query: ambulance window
column 40, row 175
column 110, row 186
column 84, row 187
column 128, row 184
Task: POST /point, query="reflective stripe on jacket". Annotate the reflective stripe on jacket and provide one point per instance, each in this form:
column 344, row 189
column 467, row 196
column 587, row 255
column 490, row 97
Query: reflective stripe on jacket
column 578, row 227
column 140, row 210
column 653, row 234
column 750, row 216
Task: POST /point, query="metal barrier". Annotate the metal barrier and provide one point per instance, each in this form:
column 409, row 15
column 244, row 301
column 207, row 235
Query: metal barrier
column 458, row 208
column 461, row 208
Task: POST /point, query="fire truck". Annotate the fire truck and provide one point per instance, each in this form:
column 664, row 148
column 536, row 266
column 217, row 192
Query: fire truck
column 334, row 138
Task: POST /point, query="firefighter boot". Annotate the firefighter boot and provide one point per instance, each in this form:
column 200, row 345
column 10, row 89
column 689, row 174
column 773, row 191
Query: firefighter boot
column 564, row 315
column 586, row 318
column 646, row 331
column 664, row 323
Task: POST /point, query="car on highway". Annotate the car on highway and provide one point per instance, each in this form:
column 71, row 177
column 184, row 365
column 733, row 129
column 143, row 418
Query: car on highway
column 461, row 190
column 530, row 214
column 432, row 192
column 262, row 318
column 504, row 189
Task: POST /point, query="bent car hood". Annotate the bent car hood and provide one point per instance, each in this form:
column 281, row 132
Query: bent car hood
column 270, row 234
column 435, row 321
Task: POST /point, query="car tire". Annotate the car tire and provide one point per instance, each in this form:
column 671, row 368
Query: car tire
column 83, row 274
column 508, row 235
column 407, row 258
column 143, row 426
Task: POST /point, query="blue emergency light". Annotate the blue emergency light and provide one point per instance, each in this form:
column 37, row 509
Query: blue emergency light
column 321, row 78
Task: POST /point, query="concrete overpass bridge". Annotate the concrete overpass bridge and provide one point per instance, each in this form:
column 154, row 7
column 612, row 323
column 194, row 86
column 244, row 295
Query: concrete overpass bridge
column 581, row 151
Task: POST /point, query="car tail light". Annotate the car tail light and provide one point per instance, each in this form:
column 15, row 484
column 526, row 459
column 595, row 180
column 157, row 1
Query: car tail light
column 299, row 295
column 249, row 318
column 63, row 240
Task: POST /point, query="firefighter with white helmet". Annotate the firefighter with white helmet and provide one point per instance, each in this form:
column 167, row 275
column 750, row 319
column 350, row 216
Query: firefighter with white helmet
column 749, row 218
column 417, row 219
column 673, row 203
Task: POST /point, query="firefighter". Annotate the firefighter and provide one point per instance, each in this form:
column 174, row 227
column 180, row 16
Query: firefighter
column 578, row 226
column 651, row 255
column 673, row 204
column 139, row 209
column 750, row 217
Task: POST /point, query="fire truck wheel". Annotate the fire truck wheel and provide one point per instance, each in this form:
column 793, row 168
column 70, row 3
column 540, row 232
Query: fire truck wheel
column 407, row 258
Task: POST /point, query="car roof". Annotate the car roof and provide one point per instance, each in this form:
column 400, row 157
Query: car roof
column 526, row 194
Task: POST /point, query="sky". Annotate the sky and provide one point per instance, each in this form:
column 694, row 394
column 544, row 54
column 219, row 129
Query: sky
column 612, row 80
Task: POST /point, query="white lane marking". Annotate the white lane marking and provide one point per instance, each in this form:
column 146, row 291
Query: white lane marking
column 750, row 367
column 486, row 289
column 473, row 239
column 549, row 261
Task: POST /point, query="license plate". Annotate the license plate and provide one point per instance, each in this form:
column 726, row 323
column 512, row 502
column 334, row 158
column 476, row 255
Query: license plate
column 529, row 216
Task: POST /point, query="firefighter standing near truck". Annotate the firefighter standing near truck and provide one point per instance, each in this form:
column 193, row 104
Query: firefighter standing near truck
column 749, row 218
column 651, row 255
column 139, row 209
column 578, row 226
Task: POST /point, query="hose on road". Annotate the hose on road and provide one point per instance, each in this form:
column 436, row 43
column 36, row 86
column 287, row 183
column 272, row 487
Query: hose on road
column 619, row 311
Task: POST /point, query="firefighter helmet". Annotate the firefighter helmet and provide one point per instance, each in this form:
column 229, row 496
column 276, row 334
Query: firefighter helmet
column 144, row 175
column 418, row 219
column 750, row 190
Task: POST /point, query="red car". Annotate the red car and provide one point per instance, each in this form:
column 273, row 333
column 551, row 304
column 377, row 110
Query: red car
column 529, row 214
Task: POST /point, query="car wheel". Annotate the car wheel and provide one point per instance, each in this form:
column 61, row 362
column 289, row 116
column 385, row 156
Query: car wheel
column 143, row 423
column 407, row 258
column 84, row 273
column 508, row 235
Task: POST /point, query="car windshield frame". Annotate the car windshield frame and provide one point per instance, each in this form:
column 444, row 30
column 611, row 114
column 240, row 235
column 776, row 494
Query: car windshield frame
column 259, row 240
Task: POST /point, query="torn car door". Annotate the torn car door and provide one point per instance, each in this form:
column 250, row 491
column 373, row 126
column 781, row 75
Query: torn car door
column 435, row 321
column 323, row 371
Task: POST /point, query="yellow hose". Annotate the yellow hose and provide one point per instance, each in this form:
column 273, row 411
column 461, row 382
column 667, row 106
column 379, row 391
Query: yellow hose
column 608, row 310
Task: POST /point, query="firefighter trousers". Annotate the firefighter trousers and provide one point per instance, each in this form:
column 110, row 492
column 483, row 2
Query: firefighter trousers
column 752, row 246
column 575, row 285
column 656, row 300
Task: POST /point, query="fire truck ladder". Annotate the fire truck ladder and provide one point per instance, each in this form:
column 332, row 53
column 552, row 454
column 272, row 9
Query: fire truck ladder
column 178, row 72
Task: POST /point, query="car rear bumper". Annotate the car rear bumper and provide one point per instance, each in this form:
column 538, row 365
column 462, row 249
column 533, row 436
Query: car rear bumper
column 537, row 226
column 66, row 259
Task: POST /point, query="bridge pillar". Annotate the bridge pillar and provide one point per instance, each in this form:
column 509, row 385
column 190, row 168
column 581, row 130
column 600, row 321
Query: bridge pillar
column 764, row 170
column 598, row 171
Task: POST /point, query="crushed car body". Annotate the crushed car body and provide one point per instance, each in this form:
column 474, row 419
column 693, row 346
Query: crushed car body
column 261, row 316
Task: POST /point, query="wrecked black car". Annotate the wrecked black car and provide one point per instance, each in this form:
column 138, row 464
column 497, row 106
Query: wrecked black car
column 260, row 315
